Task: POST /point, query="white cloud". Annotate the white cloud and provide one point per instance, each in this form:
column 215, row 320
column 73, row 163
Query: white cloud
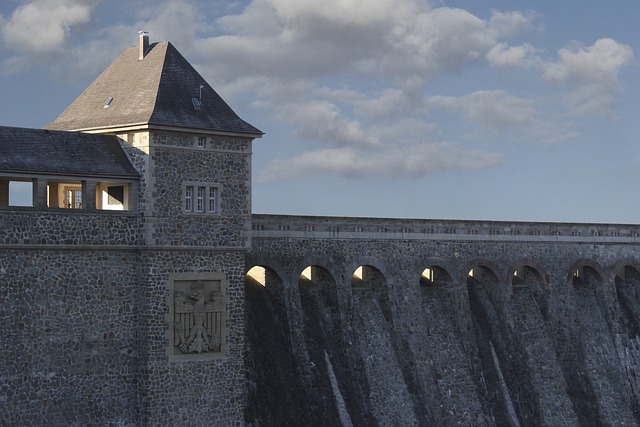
column 284, row 51
column 399, row 40
column 492, row 109
column 503, row 55
column 416, row 160
column 321, row 121
column 507, row 24
column 43, row 26
column 599, row 63
column 592, row 73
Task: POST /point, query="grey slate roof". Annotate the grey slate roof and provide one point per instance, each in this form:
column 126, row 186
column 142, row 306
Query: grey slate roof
column 49, row 152
column 156, row 90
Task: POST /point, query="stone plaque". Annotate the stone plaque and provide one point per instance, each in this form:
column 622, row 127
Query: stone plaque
column 197, row 316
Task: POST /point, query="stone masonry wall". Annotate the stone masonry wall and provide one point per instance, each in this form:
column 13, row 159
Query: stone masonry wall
column 544, row 332
column 204, row 387
column 541, row 334
column 69, row 292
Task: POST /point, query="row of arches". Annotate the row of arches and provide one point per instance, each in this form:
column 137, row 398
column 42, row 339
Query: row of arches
column 522, row 273
column 524, row 353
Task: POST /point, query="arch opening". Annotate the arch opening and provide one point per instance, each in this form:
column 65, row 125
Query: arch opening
column 528, row 289
column 525, row 277
column 263, row 276
column 434, row 277
column 367, row 277
column 585, row 277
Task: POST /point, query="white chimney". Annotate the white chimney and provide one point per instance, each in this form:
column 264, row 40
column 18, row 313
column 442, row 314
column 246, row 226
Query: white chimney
column 144, row 43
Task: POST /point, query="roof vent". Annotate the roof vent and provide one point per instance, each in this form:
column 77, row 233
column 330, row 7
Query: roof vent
column 144, row 43
column 107, row 102
column 197, row 104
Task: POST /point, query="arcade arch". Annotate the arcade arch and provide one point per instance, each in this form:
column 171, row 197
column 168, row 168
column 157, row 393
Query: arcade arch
column 368, row 277
column 264, row 276
column 435, row 276
column 528, row 287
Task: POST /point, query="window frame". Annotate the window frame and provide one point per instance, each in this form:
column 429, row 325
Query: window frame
column 197, row 198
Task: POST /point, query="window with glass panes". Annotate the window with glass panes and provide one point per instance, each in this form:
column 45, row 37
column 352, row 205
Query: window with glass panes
column 200, row 198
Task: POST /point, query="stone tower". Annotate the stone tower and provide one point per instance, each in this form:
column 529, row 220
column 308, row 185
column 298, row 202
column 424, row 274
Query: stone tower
column 194, row 155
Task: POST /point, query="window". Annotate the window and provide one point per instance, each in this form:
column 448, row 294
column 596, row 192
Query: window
column 197, row 104
column 213, row 199
column 20, row 193
column 73, row 198
column 188, row 199
column 115, row 195
column 112, row 196
column 202, row 141
column 201, row 198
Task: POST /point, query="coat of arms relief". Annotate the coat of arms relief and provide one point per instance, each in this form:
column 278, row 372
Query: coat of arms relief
column 198, row 317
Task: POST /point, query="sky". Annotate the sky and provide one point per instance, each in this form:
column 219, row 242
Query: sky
column 514, row 110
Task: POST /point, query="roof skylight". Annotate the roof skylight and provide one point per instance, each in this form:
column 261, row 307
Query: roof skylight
column 197, row 104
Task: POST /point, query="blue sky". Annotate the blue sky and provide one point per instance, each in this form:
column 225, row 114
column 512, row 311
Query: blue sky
column 496, row 110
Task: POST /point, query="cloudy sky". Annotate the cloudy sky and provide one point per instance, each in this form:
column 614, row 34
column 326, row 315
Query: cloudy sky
column 463, row 109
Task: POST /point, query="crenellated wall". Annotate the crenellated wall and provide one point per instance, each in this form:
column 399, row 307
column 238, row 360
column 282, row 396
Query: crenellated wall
column 516, row 323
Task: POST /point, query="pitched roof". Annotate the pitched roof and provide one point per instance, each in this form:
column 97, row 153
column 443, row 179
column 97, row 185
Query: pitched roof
column 156, row 90
column 51, row 152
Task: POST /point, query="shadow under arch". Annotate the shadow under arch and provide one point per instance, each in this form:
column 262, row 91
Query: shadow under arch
column 270, row 366
column 368, row 272
column 626, row 279
column 584, row 371
column 485, row 264
column 274, row 272
column 510, row 398
column 434, row 273
column 585, row 272
column 532, row 265
column 327, row 356
column 384, row 354
column 322, row 265
column 484, row 275
column 528, row 282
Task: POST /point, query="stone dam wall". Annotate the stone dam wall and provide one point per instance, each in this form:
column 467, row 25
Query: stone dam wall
column 511, row 324
column 446, row 323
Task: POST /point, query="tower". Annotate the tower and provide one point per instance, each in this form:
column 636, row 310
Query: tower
column 194, row 155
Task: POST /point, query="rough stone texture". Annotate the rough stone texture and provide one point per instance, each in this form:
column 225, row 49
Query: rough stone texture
column 69, row 337
column 23, row 226
column 543, row 346
column 83, row 296
column 545, row 332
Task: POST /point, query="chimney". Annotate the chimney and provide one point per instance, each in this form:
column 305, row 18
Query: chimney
column 144, row 43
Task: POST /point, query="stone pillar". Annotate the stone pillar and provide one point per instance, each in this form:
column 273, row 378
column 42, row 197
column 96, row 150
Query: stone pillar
column 89, row 195
column 54, row 199
column 40, row 193
column 132, row 196
column 4, row 192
